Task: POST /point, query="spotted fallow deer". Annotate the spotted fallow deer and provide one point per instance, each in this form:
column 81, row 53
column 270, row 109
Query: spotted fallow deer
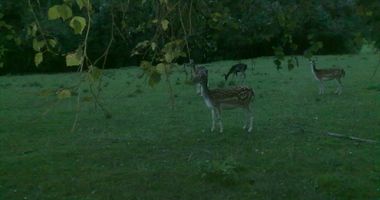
column 322, row 75
column 218, row 99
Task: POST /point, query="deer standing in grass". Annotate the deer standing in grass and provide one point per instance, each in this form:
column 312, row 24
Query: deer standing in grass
column 322, row 75
column 217, row 99
column 235, row 69
column 198, row 71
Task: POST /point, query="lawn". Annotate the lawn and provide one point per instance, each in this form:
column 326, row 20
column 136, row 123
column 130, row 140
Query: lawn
column 148, row 151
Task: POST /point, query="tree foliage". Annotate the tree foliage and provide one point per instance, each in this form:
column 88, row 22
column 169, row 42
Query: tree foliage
column 50, row 34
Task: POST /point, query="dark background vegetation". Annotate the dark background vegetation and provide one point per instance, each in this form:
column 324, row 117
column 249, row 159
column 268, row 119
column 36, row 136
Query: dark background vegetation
column 217, row 29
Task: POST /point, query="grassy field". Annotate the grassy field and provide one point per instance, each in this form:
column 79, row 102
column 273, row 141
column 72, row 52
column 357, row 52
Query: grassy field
column 148, row 151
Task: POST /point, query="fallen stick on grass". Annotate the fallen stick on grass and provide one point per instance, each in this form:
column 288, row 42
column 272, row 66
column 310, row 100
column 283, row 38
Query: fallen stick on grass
column 350, row 137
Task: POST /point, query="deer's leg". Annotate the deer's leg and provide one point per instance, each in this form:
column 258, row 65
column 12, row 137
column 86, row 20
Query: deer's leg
column 250, row 118
column 246, row 120
column 243, row 75
column 185, row 70
column 199, row 89
column 219, row 118
column 339, row 88
column 213, row 119
column 321, row 87
column 236, row 76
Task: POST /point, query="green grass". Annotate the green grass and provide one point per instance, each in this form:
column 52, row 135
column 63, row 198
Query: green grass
column 147, row 151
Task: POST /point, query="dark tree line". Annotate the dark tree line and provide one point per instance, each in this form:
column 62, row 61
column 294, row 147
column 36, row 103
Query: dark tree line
column 172, row 31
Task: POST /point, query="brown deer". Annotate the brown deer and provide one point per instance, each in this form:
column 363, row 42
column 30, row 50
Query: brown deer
column 235, row 69
column 322, row 75
column 217, row 99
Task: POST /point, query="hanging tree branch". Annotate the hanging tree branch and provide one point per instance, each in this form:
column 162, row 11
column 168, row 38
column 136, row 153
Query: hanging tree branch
column 85, row 58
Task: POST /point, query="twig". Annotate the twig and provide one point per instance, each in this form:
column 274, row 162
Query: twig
column 171, row 94
column 190, row 21
column 185, row 33
column 40, row 29
column 78, row 106
column 104, row 56
column 351, row 137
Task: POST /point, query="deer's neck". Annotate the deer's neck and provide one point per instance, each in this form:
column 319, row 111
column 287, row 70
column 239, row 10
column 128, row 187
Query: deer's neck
column 314, row 70
column 205, row 93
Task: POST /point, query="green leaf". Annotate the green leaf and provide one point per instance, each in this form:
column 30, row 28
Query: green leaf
column 308, row 54
column 94, row 73
column 164, row 1
column 78, row 24
column 32, row 30
column 169, row 57
column 17, row 40
column 153, row 45
column 155, row 21
column 9, row 37
column 5, row 25
column 74, row 59
column 1, row 64
column 68, row 1
column 173, row 50
column 65, row 12
column 84, row 3
column 165, row 24
column 38, row 58
column 154, row 78
column 162, row 68
column 279, row 52
column 52, row 42
column 53, row 12
column 319, row 45
column 2, row 50
column 139, row 47
column 38, row 45
column 145, row 65
column 80, row 3
column 60, row 11
column 216, row 16
column 142, row 44
column 294, row 47
column 1, row 15
column 64, row 94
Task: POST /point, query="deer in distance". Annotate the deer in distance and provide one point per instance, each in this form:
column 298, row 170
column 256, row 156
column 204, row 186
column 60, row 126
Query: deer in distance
column 322, row 75
column 218, row 99
column 235, row 69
